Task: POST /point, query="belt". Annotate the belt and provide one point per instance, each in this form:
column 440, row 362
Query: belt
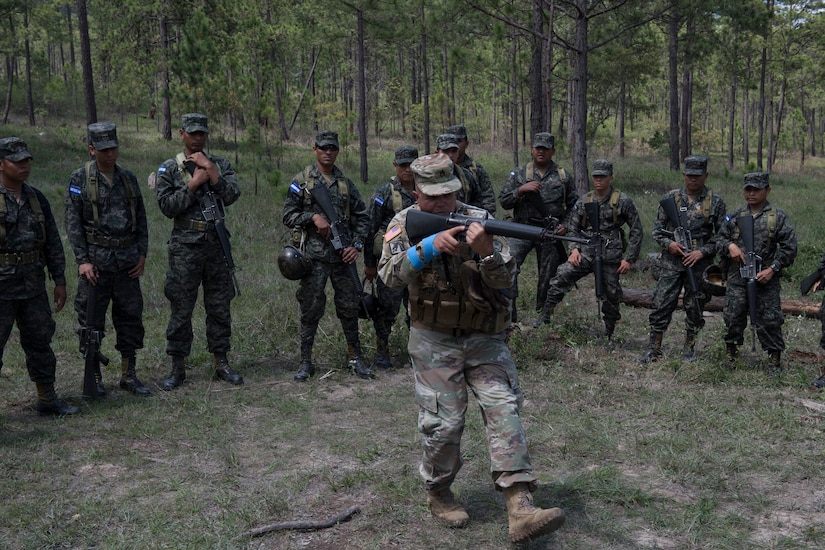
column 109, row 242
column 19, row 258
column 454, row 332
column 186, row 223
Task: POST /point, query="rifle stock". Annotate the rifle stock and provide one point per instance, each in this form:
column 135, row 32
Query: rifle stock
column 594, row 221
column 682, row 236
column 423, row 224
column 91, row 337
column 752, row 266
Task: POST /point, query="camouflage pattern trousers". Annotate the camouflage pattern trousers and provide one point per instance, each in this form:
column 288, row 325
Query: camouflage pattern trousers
column 312, row 299
column 36, row 325
column 127, row 307
column 666, row 300
column 190, row 266
column 389, row 304
column 568, row 274
column 445, row 368
column 769, row 311
column 548, row 257
column 822, row 320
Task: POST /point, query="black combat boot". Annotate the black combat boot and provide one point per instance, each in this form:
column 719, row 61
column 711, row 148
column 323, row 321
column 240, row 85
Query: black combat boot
column 223, row 372
column 48, row 403
column 382, row 356
column 819, row 383
column 731, row 354
column 654, row 350
column 177, row 376
column 128, row 379
column 356, row 362
column 544, row 318
column 306, row 369
column 774, row 364
column 689, row 347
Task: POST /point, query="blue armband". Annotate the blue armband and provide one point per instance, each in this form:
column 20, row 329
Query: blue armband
column 428, row 252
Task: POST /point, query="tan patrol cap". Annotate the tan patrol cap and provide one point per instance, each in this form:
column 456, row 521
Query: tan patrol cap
column 434, row 175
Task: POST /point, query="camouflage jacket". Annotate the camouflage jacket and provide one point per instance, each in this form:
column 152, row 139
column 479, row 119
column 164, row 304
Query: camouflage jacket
column 777, row 247
column 617, row 246
column 24, row 233
column 703, row 226
column 488, row 197
column 381, row 211
column 470, row 192
column 177, row 201
column 299, row 207
column 451, row 292
column 558, row 196
column 114, row 211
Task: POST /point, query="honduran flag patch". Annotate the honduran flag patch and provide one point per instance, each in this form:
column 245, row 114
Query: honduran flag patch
column 74, row 189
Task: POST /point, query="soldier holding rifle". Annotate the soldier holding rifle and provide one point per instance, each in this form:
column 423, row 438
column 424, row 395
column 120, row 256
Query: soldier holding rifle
column 197, row 254
column 773, row 248
column 312, row 232
column 699, row 213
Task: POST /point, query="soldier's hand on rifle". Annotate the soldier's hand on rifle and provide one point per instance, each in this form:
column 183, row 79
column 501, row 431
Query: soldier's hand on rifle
column 575, row 257
column 530, row 187
column 676, row 249
column 624, row 267
column 817, row 286
column 446, row 241
column 137, row 270
column 692, row 257
column 349, row 255
column 205, row 169
column 59, row 297
column 765, row 275
column 736, row 253
column 370, row 272
column 88, row 272
column 561, row 230
column 321, row 225
column 479, row 240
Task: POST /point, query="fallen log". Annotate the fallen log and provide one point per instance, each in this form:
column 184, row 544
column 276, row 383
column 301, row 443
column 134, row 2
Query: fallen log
column 644, row 298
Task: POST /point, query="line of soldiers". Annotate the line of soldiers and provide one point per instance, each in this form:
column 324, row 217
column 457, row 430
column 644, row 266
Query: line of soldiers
column 105, row 221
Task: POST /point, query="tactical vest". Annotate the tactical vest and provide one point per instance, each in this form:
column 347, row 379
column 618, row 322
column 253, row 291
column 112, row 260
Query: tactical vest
column 92, row 190
column 36, row 207
column 614, row 205
column 309, row 183
column 530, row 174
column 771, row 228
column 707, row 203
column 397, row 206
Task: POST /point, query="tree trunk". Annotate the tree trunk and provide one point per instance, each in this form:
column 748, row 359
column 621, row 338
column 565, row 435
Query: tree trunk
column 538, row 120
column 644, row 298
column 165, row 105
column 761, row 128
column 673, row 74
column 86, row 62
column 514, row 97
column 9, row 84
column 27, row 50
column 775, row 132
column 425, row 85
column 746, row 154
column 548, row 88
column 361, row 93
column 580, row 99
column 731, row 120
column 620, row 118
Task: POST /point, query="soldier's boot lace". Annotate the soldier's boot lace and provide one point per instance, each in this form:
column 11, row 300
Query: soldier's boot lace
column 129, row 380
column 176, row 376
column 774, row 364
column 731, row 353
column 446, row 509
column 224, row 372
column 48, row 403
column 356, row 362
column 654, row 349
column 526, row 520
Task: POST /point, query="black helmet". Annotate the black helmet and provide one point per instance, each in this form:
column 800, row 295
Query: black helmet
column 714, row 281
column 293, row 264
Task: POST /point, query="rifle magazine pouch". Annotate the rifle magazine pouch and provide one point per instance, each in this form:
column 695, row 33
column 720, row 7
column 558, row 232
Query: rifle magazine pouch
column 436, row 304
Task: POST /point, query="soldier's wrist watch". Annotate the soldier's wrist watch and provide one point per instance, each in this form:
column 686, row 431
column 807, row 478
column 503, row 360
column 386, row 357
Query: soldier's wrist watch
column 775, row 268
column 358, row 245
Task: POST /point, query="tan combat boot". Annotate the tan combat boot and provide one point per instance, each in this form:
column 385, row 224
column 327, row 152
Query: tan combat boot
column 446, row 509
column 526, row 520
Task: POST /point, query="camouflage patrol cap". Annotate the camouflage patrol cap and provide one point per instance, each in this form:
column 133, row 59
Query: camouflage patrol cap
column 434, row 175
column 602, row 167
column 194, row 122
column 326, row 137
column 458, row 130
column 405, row 154
column 446, row 141
column 102, row 135
column 544, row 139
column 696, row 165
column 14, row 149
column 757, row 180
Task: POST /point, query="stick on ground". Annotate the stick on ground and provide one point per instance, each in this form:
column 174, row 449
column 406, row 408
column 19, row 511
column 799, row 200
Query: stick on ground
column 346, row 515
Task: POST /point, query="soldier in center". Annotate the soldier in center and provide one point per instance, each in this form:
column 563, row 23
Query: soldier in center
column 535, row 191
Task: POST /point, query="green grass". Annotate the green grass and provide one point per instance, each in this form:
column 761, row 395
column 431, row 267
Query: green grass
column 669, row 455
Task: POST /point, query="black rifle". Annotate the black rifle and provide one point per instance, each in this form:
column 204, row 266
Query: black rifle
column 547, row 220
column 591, row 209
column 213, row 211
column 682, row 236
column 341, row 240
column 90, row 338
column 752, row 266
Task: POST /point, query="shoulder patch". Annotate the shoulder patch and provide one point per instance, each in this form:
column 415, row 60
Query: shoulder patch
column 379, row 200
column 74, row 189
column 513, row 173
column 727, row 218
column 162, row 169
column 392, row 232
column 295, row 188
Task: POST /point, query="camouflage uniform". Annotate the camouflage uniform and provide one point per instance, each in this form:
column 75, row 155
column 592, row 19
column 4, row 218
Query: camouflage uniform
column 480, row 175
column 613, row 252
column 470, row 192
column 113, row 243
column 23, row 296
column 382, row 210
column 819, row 383
column 778, row 249
column 559, row 196
column 703, row 228
column 299, row 207
column 196, row 258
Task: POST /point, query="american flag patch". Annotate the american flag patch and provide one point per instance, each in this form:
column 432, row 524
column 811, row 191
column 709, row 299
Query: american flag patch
column 295, row 188
column 74, row 190
column 392, row 232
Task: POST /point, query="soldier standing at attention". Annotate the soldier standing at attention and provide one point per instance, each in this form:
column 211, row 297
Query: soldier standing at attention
column 488, row 196
column 311, row 228
column 195, row 254
column 106, row 225
column 29, row 242
column 618, row 255
column 460, row 312
column 774, row 241
column 389, row 199
column 538, row 189
column 702, row 213
column 470, row 192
